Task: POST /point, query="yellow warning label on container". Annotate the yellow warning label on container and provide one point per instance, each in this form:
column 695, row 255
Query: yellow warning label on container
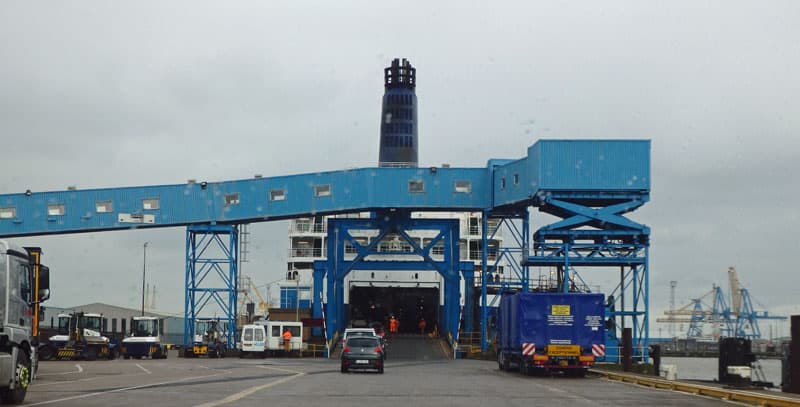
column 560, row 310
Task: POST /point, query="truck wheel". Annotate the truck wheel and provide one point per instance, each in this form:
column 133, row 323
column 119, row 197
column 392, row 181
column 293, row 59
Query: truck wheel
column 46, row 353
column 90, row 353
column 22, row 376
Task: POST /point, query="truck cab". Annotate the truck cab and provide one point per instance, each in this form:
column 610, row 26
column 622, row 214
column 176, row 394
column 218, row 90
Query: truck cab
column 146, row 339
column 209, row 339
column 48, row 351
column 24, row 284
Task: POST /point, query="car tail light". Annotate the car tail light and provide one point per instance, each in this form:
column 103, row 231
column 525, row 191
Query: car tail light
column 378, row 349
column 346, row 349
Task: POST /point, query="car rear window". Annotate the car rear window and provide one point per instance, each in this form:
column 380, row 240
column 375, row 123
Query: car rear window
column 362, row 342
column 360, row 333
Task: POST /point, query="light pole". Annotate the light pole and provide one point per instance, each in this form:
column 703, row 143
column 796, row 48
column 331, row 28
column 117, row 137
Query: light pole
column 144, row 272
column 297, row 300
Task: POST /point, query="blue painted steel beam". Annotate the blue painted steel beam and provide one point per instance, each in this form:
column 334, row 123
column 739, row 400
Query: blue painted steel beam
column 602, row 170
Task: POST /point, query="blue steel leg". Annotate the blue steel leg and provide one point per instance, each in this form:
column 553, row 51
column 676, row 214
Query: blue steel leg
column 316, row 304
column 188, row 302
column 330, row 316
column 484, row 275
column 526, row 249
column 468, row 271
column 454, row 303
column 340, row 319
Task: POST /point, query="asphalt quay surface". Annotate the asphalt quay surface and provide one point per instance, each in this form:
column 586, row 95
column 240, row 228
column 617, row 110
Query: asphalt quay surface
column 318, row 382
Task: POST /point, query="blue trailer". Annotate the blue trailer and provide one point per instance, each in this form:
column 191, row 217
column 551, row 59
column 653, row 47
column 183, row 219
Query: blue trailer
column 550, row 332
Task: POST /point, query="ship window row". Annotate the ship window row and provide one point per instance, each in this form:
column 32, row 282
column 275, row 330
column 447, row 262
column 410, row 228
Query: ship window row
column 468, row 250
column 398, row 113
column 320, row 190
column 399, row 141
column 398, row 127
column 399, row 99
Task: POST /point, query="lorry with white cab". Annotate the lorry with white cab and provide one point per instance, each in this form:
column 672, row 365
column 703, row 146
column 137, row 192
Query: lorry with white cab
column 24, row 284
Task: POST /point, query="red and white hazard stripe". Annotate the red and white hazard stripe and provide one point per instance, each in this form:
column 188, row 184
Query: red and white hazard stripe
column 528, row 349
column 598, row 349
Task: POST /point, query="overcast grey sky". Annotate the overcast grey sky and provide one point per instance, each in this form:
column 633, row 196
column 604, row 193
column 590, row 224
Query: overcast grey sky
column 103, row 94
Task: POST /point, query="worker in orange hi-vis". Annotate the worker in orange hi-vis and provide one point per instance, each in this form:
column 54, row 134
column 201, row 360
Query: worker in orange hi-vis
column 393, row 323
column 287, row 341
column 422, row 324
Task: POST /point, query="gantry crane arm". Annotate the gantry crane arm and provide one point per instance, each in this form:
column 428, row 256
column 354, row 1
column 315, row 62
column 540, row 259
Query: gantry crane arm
column 736, row 292
column 691, row 308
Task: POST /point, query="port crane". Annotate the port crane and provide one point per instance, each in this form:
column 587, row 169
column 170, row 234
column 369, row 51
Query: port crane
column 740, row 319
column 710, row 308
column 248, row 293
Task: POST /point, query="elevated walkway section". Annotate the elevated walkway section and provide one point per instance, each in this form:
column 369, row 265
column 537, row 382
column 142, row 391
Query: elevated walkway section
column 587, row 172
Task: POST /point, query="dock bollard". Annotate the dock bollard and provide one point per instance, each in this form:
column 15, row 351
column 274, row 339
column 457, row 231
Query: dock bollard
column 670, row 372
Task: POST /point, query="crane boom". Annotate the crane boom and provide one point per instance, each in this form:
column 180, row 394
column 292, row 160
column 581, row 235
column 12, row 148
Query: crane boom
column 736, row 293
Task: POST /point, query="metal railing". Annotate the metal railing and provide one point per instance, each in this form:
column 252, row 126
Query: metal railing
column 639, row 355
column 315, row 350
column 491, row 227
column 476, row 255
column 305, row 252
column 307, row 227
column 397, row 164
column 469, row 342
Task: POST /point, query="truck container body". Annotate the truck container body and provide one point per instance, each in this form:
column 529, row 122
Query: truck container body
column 550, row 332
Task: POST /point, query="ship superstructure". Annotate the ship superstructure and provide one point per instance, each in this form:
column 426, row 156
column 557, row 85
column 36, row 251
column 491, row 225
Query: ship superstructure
column 377, row 295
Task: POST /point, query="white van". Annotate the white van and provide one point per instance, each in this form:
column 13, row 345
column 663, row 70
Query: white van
column 266, row 337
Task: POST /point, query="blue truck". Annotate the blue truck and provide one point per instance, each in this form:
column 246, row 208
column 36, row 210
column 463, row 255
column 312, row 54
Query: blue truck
column 550, row 332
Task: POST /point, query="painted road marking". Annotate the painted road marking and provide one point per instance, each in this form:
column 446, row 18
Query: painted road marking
column 144, row 386
column 145, row 370
column 80, row 370
column 244, row 393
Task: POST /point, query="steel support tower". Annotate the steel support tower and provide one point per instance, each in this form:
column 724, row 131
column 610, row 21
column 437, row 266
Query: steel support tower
column 399, row 223
column 594, row 233
column 514, row 224
column 211, row 278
